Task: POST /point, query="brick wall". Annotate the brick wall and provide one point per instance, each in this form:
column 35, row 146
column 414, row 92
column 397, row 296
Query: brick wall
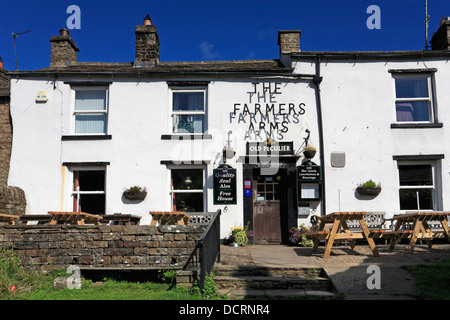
column 46, row 247
column 12, row 200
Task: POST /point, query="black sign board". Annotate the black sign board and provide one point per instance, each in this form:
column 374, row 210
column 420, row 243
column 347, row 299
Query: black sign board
column 308, row 171
column 224, row 185
column 270, row 148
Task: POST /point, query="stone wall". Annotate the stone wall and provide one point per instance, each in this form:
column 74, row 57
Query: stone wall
column 12, row 200
column 46, row 247
column 5, row 139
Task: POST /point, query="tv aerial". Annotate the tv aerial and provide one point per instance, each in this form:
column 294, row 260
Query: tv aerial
column 15, row 35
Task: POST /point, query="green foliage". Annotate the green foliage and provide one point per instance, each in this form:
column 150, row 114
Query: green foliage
column 240, row 235
column 369, row 184
column 297, row 236
column 13, row 277
column 136, row 189
column 209, row 289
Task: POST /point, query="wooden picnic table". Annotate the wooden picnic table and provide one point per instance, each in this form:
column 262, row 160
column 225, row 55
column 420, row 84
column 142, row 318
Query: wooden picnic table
column 420, row 229
column 169, row 217
column 8, row 218
column 121, row 219
column 79, row 218
column 341, row 232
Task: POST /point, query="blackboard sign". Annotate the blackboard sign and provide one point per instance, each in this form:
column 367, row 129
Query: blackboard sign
column 308, row 171
column 224, row 185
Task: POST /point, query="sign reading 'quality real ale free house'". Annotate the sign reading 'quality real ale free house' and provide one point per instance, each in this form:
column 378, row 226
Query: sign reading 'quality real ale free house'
column 225, row 185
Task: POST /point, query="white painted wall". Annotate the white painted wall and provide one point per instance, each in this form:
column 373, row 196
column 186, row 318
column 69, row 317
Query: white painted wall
column 138, row 114
column 358, row 106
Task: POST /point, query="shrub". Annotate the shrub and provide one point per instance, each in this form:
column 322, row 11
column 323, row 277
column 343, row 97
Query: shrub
column 297, row 236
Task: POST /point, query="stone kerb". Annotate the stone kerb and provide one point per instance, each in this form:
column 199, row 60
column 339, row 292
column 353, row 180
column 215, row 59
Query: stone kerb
column 46, row 247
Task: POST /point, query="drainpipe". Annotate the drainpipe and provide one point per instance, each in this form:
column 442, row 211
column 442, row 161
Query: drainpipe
column 317, row 79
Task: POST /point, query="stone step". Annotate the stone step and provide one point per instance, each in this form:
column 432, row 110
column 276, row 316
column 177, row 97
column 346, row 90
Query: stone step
column 269, row 282
column 230, row 270
column 275, row 294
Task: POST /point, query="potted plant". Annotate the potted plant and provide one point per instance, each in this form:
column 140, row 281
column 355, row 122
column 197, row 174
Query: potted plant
column 238, row 236
column 369, row 188
column 297, row 236
column 135, row 193
column 309, row 151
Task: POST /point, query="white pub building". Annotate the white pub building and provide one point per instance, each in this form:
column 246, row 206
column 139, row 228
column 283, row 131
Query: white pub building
column 230, row 135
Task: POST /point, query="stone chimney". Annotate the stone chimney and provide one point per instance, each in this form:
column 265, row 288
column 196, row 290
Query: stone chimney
column 63, row 49
column 289, row 42
column 147, row 44
column 441, row 39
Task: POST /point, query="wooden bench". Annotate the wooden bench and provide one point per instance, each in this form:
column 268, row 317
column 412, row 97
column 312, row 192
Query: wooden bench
column 169, row 218
column 8, row 218
column 78, row 218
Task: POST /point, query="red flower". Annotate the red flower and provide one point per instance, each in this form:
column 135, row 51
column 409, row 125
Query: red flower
column 12, row 288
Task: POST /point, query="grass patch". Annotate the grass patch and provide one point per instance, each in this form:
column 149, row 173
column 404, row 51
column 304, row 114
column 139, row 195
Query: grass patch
column 432, row 280
column 19, row 283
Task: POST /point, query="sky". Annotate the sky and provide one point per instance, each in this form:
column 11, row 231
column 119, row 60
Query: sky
column 203, row 30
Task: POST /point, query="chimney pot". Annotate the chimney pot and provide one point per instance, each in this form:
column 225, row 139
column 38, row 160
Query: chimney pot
column 147, row 21
column 2, row 65
column 64, row 32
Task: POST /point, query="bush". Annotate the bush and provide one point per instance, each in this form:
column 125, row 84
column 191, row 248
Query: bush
column 239, row 235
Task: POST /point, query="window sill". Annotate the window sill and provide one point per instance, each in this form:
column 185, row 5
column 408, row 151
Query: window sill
column 416, row 125
column 76, row 137
column 186, row 137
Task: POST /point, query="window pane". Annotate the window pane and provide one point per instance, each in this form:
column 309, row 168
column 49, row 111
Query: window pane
column 90, row 180
column 408, row 199
column 411, row 88
column 185, row 179
column 189, row 202
column 412, row 111
column 188, row 101
column 90, row 100
column 415, row 175
column 188, row 123
column 90, row 123
column 92, row 203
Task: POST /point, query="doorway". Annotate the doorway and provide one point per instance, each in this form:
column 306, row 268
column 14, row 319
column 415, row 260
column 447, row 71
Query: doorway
column 267, row 207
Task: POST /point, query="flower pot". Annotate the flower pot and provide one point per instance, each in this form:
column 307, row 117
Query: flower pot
column 309, row 153
column 135, row 196
column 368, row 191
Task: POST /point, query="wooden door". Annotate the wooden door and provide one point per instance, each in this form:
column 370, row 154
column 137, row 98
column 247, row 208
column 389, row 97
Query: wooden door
column 266, row 210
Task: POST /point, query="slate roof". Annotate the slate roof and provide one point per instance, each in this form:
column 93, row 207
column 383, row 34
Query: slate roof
column 165, row 68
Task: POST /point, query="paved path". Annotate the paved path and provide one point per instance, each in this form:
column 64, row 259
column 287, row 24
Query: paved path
column 348, row 270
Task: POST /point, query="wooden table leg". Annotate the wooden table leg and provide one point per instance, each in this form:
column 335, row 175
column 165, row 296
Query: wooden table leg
column 317, row 241
column 366, row 232
column 347, row 230
column 330, row 241
column 444, row 224
column 394, row 238
column 417, row 226
column 426, row 229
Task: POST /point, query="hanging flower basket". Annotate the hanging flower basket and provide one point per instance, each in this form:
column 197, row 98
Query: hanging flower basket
column 135, row 193
column 366, row 191
column 369, row 188
column 309, row 152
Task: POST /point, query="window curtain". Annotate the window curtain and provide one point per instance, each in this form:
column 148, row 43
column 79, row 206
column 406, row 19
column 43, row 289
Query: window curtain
column 90, row 100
